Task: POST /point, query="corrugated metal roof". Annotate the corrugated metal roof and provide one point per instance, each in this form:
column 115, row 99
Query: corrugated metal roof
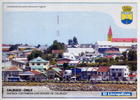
column 57, row 69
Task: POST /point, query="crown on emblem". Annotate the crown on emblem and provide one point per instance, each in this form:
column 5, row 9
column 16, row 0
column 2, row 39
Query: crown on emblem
column 126, row 8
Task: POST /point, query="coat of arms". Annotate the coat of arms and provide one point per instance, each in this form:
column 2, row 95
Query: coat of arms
column 126, row 15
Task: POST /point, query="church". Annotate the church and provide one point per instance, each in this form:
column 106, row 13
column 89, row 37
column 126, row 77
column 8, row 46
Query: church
column 119, row 39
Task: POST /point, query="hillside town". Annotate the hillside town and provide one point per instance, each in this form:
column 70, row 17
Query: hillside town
column 111, row 60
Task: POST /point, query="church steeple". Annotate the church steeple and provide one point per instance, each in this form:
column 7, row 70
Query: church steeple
column 110, row 34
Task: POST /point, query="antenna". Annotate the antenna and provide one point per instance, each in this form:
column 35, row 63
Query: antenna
column 58, row 28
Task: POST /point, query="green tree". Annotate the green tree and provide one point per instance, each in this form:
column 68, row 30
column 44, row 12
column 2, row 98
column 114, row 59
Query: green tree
column 34, row 54
column 60, row 54
column 124, row 55
column 75, row 41
column 132, row 55
column 65, row 65
column 56, row 46
column 105, row 60
column 13, row 47
column 69, row 42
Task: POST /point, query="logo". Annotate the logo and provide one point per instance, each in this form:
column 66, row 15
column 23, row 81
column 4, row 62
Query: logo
column 116, row 94
column 126, row 15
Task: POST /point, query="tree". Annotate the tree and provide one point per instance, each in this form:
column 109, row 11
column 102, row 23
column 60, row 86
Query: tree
column 105, row 60
column 60, row 54
column 34, row 54
column 13, row 47
column 124, row 55
column 65, row 65
column 56, row 46
column 69, row 42
column 75, row 41
column 132, row 55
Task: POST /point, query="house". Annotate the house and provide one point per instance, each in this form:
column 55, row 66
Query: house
column 87, row 72
column 79, row 50
column 73, row 63
column 61, row 61
column 33, row 76
column 8, row 71
column 5, row 47
column 16, row 52
column 106, row 53
column 77, row 73
column 18, row 64
column 69, row 55
column 103, row 73
column 102, row 46
column 39, row 64
column 119, row 72
column 67, row 74
column 85, row 45
column 56, row 52
column 53, row 72
column 24, row 47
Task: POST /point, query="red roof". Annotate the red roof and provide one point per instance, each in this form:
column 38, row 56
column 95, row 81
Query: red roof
column 110, row 31
column 57, row 51
column 5, row 45
column 112, row 51
column 109, row 56
column 103, row 69
column 35, row 72
column 124, row 39
column 13, row 68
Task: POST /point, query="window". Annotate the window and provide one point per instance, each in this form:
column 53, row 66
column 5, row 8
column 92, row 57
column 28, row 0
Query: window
column 119, row 69
column 65, row 61
column 125, row 69
column 19, row 65
column 65, row 73
column 112, row 69
column 116, row 69
column 113, row 74
column 33, row 64
column 125, row 73
column 38, row 63
column 45, row 64
column 119, row 74
column 33, row 69
column 60, row 61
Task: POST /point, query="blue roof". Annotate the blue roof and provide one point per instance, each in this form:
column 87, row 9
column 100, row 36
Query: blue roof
column 57, row 69
column 38, row 59
column 37, row 67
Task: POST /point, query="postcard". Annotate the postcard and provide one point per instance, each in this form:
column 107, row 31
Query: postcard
column 69, row 50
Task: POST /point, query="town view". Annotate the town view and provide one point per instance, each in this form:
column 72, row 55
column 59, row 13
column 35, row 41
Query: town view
column 109, row 65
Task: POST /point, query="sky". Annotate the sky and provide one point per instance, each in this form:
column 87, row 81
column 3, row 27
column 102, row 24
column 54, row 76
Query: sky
column 88, row 26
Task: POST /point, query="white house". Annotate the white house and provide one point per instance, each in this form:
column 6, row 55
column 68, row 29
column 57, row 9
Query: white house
column 69, row 55
column 119, row 72
column 102, row 46
column 73, row 63
column 79, row 50
column 67, row 74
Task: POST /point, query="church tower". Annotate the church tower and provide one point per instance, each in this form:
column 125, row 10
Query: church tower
column 110, row 34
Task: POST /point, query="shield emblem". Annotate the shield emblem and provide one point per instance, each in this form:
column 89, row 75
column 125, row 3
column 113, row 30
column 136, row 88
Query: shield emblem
column 126, row 15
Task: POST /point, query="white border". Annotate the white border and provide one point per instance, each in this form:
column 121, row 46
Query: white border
column 138, row 29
